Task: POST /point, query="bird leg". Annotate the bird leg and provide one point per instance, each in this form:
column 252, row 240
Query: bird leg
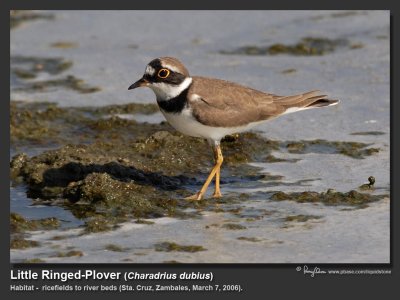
column 218, row 157
column 215, row 171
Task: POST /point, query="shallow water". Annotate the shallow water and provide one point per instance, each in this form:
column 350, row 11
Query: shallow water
column 106, row 57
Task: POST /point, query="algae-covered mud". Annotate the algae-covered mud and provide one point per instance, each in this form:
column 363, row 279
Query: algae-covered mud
column 19, row 17
column 25, row 69
column 96, row 174
column 306, row 46
column 122, row 171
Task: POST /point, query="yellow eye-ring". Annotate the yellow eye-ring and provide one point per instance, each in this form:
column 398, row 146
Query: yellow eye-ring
column 163, row 73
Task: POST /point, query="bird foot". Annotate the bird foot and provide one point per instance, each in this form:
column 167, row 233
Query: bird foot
column 217, row 194
column 198, row 196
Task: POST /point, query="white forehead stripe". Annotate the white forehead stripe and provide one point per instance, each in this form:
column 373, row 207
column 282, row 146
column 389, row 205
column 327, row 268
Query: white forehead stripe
column 150, row 70
column 169, row 67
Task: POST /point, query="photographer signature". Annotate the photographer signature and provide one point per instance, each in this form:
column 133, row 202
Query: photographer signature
column 312, row 272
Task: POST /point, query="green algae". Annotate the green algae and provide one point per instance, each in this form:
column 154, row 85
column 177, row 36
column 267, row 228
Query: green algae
column 64, row 45
column 119, row 189
column 368, row 133
column 331, row 197
column 24, row 73
column 68, row 82
column 301, row 218
column 246, row 147
column 19, row 224
column 16, row 164
column 33, row 261
column 307, row 46
column 113, row 123
column 232, row 226
column 114, row 248
column 296, row 147
column 44, row 123
column 129, row 108
column 273, row 159
column 352, row 149
column 101, row 223
column 59, row 237
column 21, row 243
column 19, row 17
column 357, row 46
column 141, row 221
column 37, row 123
column 111, row 182
column 28, row 67
column 289, row 71
column 110, row 170
column 248, row 239
column 72, row 253
column 102, row 189
column 235, row 211
column 171, row 246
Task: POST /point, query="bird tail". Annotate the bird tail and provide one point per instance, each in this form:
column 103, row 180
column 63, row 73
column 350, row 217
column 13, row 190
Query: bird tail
column 322, row 103
column 305, row 101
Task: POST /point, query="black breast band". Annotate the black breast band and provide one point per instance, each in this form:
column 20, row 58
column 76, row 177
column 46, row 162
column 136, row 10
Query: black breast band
column 175, row 105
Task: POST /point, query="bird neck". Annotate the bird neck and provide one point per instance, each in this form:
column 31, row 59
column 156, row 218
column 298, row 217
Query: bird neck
column 178, row 103
column 166, row 91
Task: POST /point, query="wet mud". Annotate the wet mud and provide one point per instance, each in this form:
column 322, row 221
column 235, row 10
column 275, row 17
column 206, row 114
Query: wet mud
column 107, row 170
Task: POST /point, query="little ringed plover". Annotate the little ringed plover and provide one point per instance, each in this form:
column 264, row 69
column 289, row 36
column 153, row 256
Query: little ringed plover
column 212, row 108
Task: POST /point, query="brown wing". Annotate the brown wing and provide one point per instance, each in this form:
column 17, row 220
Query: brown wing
column 227, row 104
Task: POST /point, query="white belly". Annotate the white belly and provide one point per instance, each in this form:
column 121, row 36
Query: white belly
column 185, row 123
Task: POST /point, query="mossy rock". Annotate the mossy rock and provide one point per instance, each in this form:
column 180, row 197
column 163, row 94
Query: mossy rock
column 352, row 149
column 21, row 243
column 19, row 224
column 307, row 46
column 249, row 239
column 114, row 248
column 233, row 226
column 301, row 218
column 72, row 253
column 171, row 246
column 330, row 197
column 18, row 17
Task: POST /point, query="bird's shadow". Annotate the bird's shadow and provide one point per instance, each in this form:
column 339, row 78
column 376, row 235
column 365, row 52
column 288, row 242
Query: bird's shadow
column 70, row 172
column 75, row 171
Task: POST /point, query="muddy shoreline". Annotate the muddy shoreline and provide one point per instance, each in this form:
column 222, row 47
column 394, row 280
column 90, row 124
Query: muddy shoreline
column 107, row 170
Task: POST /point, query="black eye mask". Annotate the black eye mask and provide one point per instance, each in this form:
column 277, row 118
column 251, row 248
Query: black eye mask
column 173, row 78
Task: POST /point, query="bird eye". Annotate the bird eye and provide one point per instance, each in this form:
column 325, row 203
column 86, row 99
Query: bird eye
column 163, row 73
